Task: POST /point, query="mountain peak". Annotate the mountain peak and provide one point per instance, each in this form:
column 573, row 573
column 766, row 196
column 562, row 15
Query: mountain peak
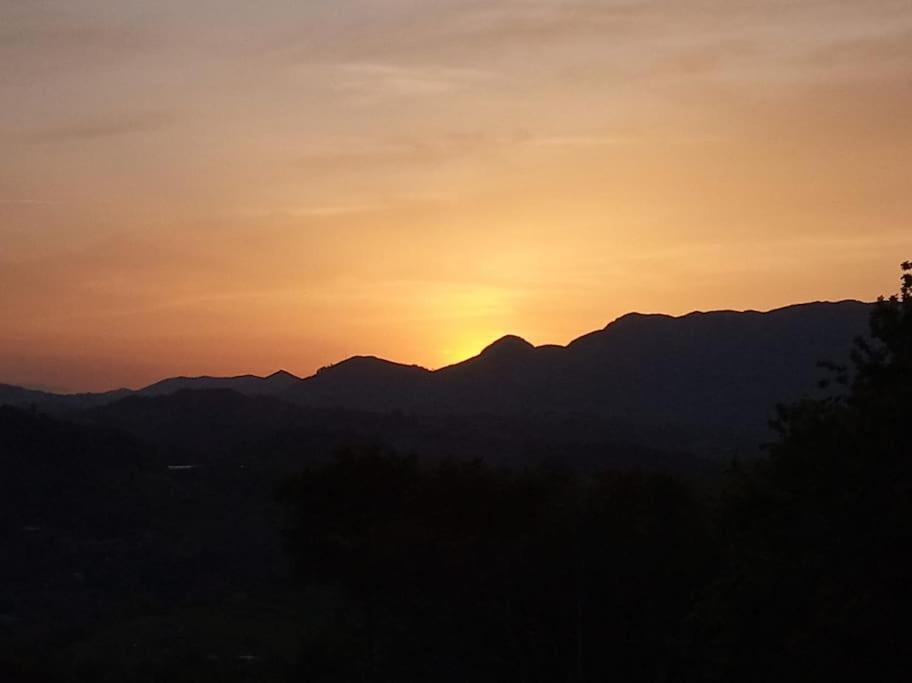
column 636, row 318
column 282, row 374
column 507, row 345
column 355, row 365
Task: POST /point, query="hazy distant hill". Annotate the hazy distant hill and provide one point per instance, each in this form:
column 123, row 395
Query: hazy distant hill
column 77, row 473
column 18, row 396
column 205, row 422
column 251, row 385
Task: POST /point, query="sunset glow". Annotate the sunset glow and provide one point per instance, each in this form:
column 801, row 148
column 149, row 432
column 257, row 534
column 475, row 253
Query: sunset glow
column 230, row 187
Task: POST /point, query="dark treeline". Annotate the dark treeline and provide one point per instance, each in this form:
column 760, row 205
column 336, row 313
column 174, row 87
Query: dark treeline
column 797, row 570
column 463, row 572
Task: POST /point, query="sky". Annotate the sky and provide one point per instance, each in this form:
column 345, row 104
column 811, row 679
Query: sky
column 233, row 186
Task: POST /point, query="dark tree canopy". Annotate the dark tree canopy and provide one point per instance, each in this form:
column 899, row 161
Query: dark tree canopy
column 818, row 537
column 464, row 572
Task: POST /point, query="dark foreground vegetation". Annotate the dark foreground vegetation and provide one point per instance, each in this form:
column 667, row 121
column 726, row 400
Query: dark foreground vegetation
column 792, row 567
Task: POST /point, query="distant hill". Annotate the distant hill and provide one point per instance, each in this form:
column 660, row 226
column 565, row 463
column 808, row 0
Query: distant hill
column 250, row 385
column 77, row 473
column 49, row 402
column 364, row 383
column 207, row 422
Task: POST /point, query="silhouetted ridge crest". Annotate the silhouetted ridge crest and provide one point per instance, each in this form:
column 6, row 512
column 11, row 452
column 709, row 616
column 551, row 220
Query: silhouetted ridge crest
column 509, row 345
column 368, row 364
column 699, row 369
column 282, row 374
column 639, row 319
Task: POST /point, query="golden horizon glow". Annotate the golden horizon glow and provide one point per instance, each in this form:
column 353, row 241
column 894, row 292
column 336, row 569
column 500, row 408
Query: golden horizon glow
column 231, row 187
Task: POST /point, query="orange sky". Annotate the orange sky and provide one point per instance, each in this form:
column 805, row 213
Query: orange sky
column 231, row 186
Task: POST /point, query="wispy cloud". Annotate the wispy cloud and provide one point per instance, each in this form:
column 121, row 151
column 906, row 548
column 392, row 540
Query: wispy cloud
column 355, row 155
column 353, row 208
column 535, row 20
column 27, row 202
column 374, row 79
column 334, row 210
column 104, row 127
column 863, row 51
column 39, row 39
column 579, row 141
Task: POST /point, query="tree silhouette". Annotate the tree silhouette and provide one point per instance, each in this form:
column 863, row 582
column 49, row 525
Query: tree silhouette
column 818, row 537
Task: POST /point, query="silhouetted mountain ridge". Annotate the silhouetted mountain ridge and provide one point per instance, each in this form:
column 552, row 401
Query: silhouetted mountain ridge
column 701, row 369
column 252, row 385
column 507, row 345
column 719, row 369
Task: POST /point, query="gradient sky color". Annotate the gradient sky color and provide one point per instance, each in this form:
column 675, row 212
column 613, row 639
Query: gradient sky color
column 219, row 187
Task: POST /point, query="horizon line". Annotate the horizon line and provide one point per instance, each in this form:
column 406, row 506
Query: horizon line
column 320, row 369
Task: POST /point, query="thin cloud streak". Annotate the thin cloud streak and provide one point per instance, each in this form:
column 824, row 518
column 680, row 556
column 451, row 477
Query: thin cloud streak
column 103, row 128
column 369, row 79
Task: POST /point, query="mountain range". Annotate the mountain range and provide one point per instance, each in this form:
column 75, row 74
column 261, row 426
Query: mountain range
column 720, row 371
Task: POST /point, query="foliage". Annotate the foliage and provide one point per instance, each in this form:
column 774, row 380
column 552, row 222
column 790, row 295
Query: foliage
column 814, row 583
column 464, row 572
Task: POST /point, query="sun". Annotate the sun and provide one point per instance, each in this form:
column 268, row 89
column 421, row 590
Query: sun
column 464, row 346
column 466, row 318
